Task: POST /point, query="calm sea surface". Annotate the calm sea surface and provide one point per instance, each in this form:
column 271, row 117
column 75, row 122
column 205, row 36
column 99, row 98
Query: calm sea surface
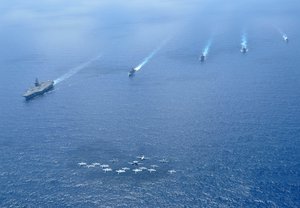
column 229, row 127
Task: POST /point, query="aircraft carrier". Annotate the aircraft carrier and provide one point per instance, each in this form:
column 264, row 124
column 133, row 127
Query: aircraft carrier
column 38, row 89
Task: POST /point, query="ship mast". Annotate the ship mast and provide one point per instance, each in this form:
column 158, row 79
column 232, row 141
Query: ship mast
column 36, row 82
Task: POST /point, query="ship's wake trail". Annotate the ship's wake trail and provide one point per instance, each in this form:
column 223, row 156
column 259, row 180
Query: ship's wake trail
column 244, row 42
column 147, row 59
column 207, row 47
column 280, row 31
column 283, row 34
column 75, row 70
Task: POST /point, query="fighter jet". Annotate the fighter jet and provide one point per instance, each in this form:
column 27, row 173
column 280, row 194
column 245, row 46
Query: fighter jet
column 163, row 161
column 107, row 170
column 96, row 164
column 120, row 171
column 104, row 166
column 151, row 170
column 171, row 171
column 132, row 72
column 136, row 170
column 125, row 168
column 142, row 157
column 202, row 58
column 90, row 166
column 135, row 162
column 113, row 160
column 82, row 164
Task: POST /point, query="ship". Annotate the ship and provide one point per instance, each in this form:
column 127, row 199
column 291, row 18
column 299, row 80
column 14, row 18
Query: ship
column 38, row 89
column 244, row 49
column 132, row 72
column 202, row 58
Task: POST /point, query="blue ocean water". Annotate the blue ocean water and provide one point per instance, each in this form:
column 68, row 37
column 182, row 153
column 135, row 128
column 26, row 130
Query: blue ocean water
column 229, row 127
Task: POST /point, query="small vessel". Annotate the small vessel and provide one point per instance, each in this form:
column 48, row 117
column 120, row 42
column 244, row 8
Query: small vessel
column 202, row 58
column 38, row 89
column 132, row 72
column 244, row 49
column 285, row 38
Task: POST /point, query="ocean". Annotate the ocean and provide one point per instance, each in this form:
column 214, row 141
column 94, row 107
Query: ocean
column 220, row 133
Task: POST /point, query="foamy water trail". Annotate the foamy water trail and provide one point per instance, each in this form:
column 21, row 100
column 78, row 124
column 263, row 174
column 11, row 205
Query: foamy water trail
column 283, row 34
column 207, row 47
column 137, row 68
column 75, row 70
column 244, row 40
column 279, row 31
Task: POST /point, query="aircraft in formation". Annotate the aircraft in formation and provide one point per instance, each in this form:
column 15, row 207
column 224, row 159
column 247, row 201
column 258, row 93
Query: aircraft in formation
column 172, row 171
column 106, row 168
column 142, row 157
column 120, row 171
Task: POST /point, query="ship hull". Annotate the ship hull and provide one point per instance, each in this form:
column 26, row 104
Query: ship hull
column 34, row 92
column 132, row 72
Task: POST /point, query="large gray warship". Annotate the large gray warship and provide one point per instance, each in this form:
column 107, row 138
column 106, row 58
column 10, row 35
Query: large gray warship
column 38, row 89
